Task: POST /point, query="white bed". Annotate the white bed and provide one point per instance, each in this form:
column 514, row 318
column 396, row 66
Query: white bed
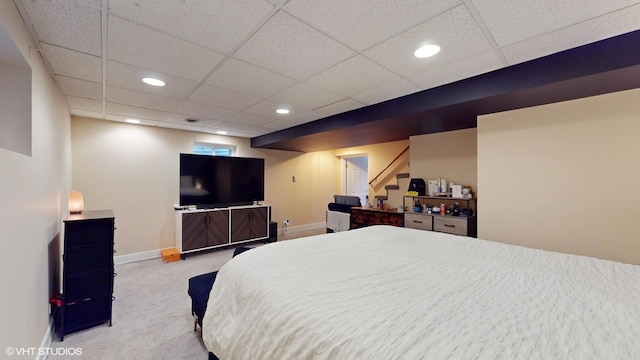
column 395, row 293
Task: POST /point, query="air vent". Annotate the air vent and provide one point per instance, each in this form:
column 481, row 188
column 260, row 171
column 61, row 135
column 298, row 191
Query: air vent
column 192, row 120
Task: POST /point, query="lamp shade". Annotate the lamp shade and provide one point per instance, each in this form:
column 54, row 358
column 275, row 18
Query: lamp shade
column 76, row 202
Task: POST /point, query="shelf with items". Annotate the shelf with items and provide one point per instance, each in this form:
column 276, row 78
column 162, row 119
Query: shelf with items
column 424, row 212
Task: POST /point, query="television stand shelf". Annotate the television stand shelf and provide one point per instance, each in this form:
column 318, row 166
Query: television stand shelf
column 203, row 229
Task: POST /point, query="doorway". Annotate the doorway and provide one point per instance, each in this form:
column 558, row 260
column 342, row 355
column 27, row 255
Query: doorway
column 356, row 177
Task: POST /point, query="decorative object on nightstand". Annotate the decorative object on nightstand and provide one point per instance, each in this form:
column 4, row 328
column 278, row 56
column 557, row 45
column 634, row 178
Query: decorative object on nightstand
column 76, row 202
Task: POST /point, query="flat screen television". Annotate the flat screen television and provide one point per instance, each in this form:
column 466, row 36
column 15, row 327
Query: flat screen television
column 220, row 181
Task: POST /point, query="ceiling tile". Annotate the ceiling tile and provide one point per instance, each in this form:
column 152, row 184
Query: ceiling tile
column 340, row 107
column 80, row 88
column 209, row 95
column 290, row 47
column 236, row 129
column 74, row 64
column 387, row 92
column 609, row 25
column 181, row 119
column 248, row 79
column 120, row 118
column 130, row 77
column 134, row 112
column 267, row 108
column 140, row 46
column 353, row 76
column 216, row 24
column 455, row 71
column 80, row 103
column 70, row 24
column 511, row 21
column 251, row 119
column 295, row 120
column 303, row 96
column 86, row 113
column 140, row 99
column 171, row 125
column 364, row 23
column 200, row 111
column 455, row 31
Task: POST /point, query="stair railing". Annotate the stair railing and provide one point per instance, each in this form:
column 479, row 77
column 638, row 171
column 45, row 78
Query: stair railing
column 388, row 166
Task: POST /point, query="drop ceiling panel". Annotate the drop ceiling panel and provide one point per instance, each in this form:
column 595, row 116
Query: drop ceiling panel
column 134, row 112
column 70, row 24
column 364, row 23
column 86, row 113
column 140, row 99
column 79, row 103
column 248, row 79
column 353, row 76
column 73, row 63
column 180, row 119
column 130, row 77
column 251, row 119
column 215, row 24
column 612, row 24
column 455, row 31
column 235, row 128
column 141, row 46
column 80, row 88
column 200, row 111
column 451, row 72
column 340, row 107
column 226, row 99
column 511, row 21
column 305, row 96
column 290, row 47
column 267, row 108
column 121, row 118
column 171, row 125
column 387, row 92
column 295, row 120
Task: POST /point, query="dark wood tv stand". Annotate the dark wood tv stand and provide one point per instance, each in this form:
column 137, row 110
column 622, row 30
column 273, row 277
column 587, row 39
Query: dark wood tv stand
column 203, row 229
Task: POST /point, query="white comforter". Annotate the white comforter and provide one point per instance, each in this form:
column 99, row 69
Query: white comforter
column 395, row 293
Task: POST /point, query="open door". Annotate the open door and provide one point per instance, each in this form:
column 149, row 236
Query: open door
column 357, row 177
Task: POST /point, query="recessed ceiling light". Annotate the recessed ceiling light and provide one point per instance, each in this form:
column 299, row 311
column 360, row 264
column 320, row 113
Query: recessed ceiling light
column 427, row 51
column 283, row 111
column 133, row 121
column 153, row 82
column 221, row 132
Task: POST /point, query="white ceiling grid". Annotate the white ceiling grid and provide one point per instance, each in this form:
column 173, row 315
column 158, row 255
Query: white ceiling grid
column 230, row 64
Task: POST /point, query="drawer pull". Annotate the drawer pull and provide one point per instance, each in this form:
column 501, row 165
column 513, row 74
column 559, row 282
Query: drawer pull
column 417, row 221
column 448, row 225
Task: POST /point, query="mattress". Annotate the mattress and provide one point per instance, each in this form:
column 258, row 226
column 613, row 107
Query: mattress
column 385, row 292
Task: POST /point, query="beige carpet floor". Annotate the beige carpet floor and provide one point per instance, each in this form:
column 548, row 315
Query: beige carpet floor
column 152, row 311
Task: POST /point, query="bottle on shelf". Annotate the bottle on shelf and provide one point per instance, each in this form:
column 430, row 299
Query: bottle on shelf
column 443, row 209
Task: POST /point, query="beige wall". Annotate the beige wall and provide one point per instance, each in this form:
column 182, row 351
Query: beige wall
column 133, row 170
column 564, row 177
column 33, row 192
column 449, row 155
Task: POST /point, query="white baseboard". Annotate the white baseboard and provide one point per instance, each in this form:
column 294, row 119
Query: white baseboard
column 145, row 255
column 156, row 254
column 46, row 341
column 312, row 226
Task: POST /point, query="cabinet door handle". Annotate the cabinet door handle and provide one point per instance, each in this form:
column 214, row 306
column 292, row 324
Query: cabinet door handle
column 448, row 225
column 417, row 221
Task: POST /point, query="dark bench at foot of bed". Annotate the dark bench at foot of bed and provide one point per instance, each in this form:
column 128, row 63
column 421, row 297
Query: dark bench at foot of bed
column 199, row 289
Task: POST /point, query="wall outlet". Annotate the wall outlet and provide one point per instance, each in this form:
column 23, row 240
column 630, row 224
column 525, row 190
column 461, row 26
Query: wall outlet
column 286, row 222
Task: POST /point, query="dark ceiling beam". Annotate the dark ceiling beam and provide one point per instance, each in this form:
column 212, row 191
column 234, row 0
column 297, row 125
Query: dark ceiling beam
column 602, row 67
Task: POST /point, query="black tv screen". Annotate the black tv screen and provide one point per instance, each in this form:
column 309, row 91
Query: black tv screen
column 219, row 181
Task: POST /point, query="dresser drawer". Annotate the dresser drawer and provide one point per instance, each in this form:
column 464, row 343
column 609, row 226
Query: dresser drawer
column 451, row 225
column 417, row 221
